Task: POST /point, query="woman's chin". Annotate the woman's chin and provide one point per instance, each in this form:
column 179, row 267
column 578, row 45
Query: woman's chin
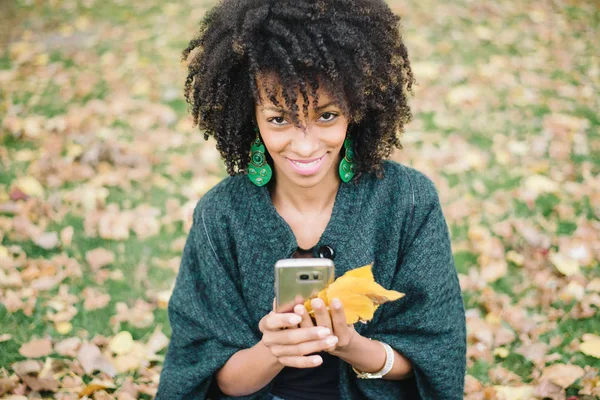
column 308, row 181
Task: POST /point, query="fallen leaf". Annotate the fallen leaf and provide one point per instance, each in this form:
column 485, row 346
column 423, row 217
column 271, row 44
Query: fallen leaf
column 590, row 345
column 563, row 375
column 99, row 258
column 91, row 359
column 27, row 367
column 563, row 264
column 36, row 348
column 63, row 327
column 94, row 299
column 501, row 352
column 96, row 385
column 47, row 240
column 514, row 393
column 549, row 390
column 68, row 347
column 5, row 337
column 121, row 343
column 126, row 362
column 593, row 285
column 157, row 341
column 66, row 235
column 541, row 184
column 30, row 186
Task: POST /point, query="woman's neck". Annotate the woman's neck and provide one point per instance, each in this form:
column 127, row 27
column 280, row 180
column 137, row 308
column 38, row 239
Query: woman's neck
column 306, row 201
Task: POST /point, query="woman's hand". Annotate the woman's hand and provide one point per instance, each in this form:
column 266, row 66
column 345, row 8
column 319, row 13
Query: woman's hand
column 290, row 346
column 336, row 321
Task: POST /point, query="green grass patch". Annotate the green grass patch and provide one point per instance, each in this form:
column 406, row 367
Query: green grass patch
column 464, row 260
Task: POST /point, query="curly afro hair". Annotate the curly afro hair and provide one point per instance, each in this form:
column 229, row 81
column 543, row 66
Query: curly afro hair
column 353, row 49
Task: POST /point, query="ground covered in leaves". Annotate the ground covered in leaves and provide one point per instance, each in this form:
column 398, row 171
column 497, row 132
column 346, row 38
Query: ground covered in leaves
column 100, row 168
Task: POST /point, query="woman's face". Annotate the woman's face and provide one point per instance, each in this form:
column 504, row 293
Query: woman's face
column 306, row 155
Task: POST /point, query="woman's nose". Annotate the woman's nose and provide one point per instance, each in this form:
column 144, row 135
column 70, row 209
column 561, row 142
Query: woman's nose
column 305, row 143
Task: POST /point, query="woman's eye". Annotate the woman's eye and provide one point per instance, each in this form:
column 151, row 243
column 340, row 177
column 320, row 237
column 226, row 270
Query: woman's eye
column 277, row 120
column 328, row 116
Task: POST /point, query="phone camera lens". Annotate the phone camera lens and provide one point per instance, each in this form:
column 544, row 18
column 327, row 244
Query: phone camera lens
column 304, row 277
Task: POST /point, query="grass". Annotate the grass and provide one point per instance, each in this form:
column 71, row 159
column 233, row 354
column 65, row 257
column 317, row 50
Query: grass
column 144, row 40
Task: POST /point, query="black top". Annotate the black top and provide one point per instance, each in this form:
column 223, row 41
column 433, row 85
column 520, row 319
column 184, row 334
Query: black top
column 321, row 382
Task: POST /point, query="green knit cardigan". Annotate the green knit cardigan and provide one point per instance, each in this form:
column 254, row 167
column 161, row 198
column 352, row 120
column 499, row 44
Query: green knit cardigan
column 225, row 283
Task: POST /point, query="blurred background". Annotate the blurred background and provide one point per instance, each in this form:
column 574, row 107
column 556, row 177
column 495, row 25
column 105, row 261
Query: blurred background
column 100, row 168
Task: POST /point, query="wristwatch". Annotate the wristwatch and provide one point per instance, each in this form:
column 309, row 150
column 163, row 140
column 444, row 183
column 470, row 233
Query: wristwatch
column 389, row 363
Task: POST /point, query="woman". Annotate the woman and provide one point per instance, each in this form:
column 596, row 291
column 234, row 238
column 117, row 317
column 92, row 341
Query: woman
column 305, row 100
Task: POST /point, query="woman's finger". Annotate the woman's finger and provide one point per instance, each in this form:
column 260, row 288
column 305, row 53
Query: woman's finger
column 301, row 362
column 296, row 336
column 340, row 327
column 321, row 313
column 304, row 348
column 275, row 321
column 307, row 321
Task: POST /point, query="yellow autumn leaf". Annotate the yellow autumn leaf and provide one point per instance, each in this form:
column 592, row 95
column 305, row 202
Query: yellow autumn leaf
column 90, row 389
column 501, row 352
column 63, row 327
column 359, row 293
column 524, row 392
column 590, row 345
column 121, row 343
column 30, row 186
column 563, row 264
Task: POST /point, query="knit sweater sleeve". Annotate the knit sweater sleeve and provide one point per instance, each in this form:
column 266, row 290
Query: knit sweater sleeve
column 205, row 304
column 428, row 325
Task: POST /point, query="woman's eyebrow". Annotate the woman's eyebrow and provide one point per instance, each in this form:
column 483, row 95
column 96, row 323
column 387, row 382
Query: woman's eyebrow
column 286, row 112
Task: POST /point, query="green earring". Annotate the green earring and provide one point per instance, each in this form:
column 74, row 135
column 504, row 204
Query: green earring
column 346, row 168
column 259, row 170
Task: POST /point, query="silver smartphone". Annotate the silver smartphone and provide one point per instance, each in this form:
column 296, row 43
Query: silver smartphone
column 297, row 279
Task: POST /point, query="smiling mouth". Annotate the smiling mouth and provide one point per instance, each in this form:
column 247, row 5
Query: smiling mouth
column 305, row 164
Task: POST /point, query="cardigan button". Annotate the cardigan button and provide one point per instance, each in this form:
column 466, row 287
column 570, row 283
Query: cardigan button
column 326, row 252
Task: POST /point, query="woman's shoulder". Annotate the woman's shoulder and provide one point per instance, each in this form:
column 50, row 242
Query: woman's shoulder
column 401, row 179
column 223, row 197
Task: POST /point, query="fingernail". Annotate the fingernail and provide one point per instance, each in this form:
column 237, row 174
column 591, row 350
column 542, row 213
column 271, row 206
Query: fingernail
column 316, row 360
column 315, row 303
column 299, row 310
column 331, row 340
column 323, row 332
column 295, row 319
column 337, row 304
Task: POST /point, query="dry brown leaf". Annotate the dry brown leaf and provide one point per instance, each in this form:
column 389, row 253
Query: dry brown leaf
column 47, row 240
column 68, row 347
column 66, row 235
column 91, row 360
column 534, row 352
column 94, row 299
column 5, row 337
column 99, row 258
column 157, row 341
column 27, row 367
column 140, row 316
column 36, row 348
column 563, row 375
